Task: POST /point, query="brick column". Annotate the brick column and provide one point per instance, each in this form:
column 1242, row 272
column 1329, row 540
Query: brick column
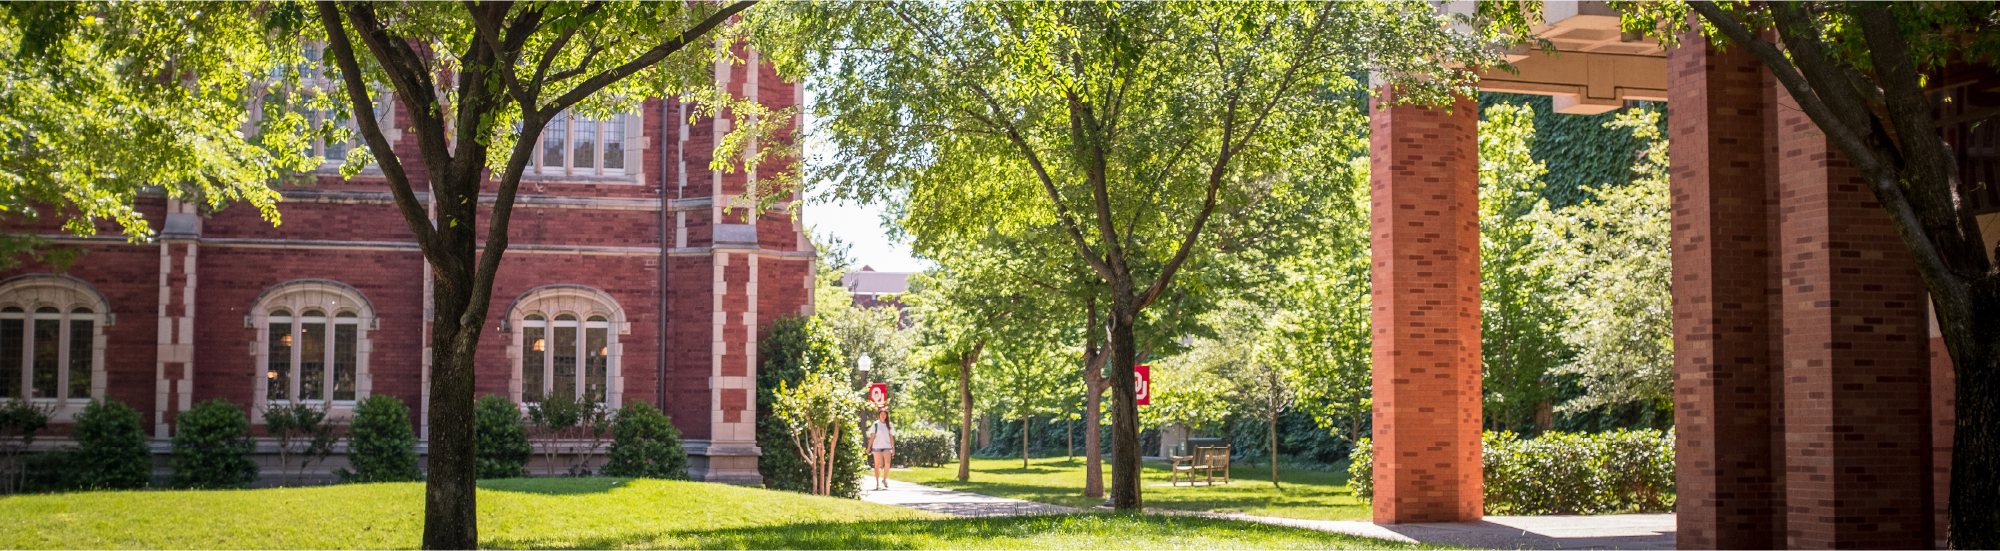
column 1724, row 394
column 1944, row 424
column 174, row 372
column 1424, row 181
column 1857, row 364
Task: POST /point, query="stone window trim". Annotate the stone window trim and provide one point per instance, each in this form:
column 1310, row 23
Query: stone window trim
column 549, row 302
column 291, row 300
column 66, row 294
column 555, row 156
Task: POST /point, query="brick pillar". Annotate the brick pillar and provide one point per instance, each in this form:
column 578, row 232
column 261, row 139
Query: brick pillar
column 174, row 370
column 1425, row 223
column 1857, row 364
column 1723, row 363
column 1944, row 419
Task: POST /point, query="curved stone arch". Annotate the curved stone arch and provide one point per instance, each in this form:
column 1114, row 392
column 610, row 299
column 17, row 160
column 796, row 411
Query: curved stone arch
column 582, row 301
column 297, row 297
column 31, row 292
column 552, row 300
column 301, row 293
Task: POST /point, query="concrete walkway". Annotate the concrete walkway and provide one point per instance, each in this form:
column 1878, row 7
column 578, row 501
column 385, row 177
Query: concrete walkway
column 1546, row 532
column 1496, row 532
column 950, row 502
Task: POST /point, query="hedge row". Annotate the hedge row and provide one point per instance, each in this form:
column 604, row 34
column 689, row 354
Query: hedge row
column 1562, row 473
column 212, row 448
column 925, row 447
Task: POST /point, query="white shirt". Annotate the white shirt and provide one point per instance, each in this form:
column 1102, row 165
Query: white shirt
column 882, row 438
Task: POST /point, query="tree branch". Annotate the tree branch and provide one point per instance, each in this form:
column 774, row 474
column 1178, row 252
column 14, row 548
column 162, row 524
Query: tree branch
column 371, row 131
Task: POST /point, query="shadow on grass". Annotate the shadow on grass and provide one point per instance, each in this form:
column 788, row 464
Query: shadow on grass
column 1086, row 531
column 554, row 486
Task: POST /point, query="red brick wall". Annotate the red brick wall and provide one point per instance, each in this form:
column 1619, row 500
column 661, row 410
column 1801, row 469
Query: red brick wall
column 1424, row 185
column 1857, row 368
column 1723, row 358
column 663, row 352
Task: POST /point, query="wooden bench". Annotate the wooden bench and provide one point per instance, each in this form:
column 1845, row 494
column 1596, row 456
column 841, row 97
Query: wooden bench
column 1206, row 459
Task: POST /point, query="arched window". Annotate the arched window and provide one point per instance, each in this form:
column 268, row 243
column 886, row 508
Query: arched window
column 52, row 340
column 312, row 341
column 566, row 343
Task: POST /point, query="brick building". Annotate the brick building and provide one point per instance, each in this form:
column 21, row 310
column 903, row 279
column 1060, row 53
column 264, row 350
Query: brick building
column 629, row 278
column 1813, row 394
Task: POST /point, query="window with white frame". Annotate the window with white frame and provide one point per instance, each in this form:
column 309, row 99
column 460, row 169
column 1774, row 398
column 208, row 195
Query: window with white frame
column 312, row 357
column 314, row 81
column 576, row 146
column 566, row 344
column 557, row 350
column 51, row 339
column 312, row 343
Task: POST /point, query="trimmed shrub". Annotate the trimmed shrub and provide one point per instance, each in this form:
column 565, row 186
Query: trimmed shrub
column 381, row 446
column 925, row 447
column 19, row 421
column 645, row 444
column 111, row 451
column 212, row 447
column 794, row 345
column 1562, row 473
column 502, row 450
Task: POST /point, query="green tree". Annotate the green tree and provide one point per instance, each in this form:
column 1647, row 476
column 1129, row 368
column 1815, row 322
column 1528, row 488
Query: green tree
column 381, row 446
column 480, row 82
column 1520, row 324
column 1610, row 267
column 522, row 64
column 81, row 75
column 795, row 347
column 817, row 411
column 1122, row 127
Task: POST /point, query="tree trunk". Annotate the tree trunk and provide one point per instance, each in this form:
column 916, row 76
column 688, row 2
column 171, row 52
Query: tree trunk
column 1024, row 443
column 1093, row 437
column 985, row 430
column 965, row 411
column 1124, row 406
column 1069, row 439
column 1975, row 475
column 1274, row 443
column 451, row 519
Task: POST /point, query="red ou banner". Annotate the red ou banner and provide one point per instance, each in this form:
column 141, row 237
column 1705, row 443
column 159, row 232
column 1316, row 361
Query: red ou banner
column 1143, row 384
column 878, row 394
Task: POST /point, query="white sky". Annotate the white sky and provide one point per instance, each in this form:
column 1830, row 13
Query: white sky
column 858, row 225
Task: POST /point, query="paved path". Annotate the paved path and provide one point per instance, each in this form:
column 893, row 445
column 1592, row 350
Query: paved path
column 1496, row 532
column 950, row 502
column 1545, row 532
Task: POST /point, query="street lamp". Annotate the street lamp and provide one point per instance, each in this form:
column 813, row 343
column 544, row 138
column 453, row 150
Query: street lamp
column 866, row 362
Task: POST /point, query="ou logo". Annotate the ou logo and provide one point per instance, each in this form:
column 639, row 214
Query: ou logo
column 1142, row 384
column 878, row 393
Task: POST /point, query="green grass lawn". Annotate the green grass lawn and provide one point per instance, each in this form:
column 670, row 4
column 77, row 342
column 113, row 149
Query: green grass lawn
column 592, row 513
column 1311, row 495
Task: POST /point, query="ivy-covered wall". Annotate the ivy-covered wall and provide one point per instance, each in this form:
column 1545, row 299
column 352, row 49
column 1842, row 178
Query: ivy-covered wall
column 1578, row 149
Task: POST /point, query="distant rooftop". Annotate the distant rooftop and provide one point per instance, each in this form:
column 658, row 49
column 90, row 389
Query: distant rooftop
column 869, row 282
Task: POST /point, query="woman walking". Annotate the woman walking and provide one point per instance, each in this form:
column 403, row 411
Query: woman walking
column 882, row 446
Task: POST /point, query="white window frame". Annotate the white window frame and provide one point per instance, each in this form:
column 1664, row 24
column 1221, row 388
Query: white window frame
column 66, row 294
column 295, row 298
column 550, row 302
column 631, row 142
column 313, row 80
